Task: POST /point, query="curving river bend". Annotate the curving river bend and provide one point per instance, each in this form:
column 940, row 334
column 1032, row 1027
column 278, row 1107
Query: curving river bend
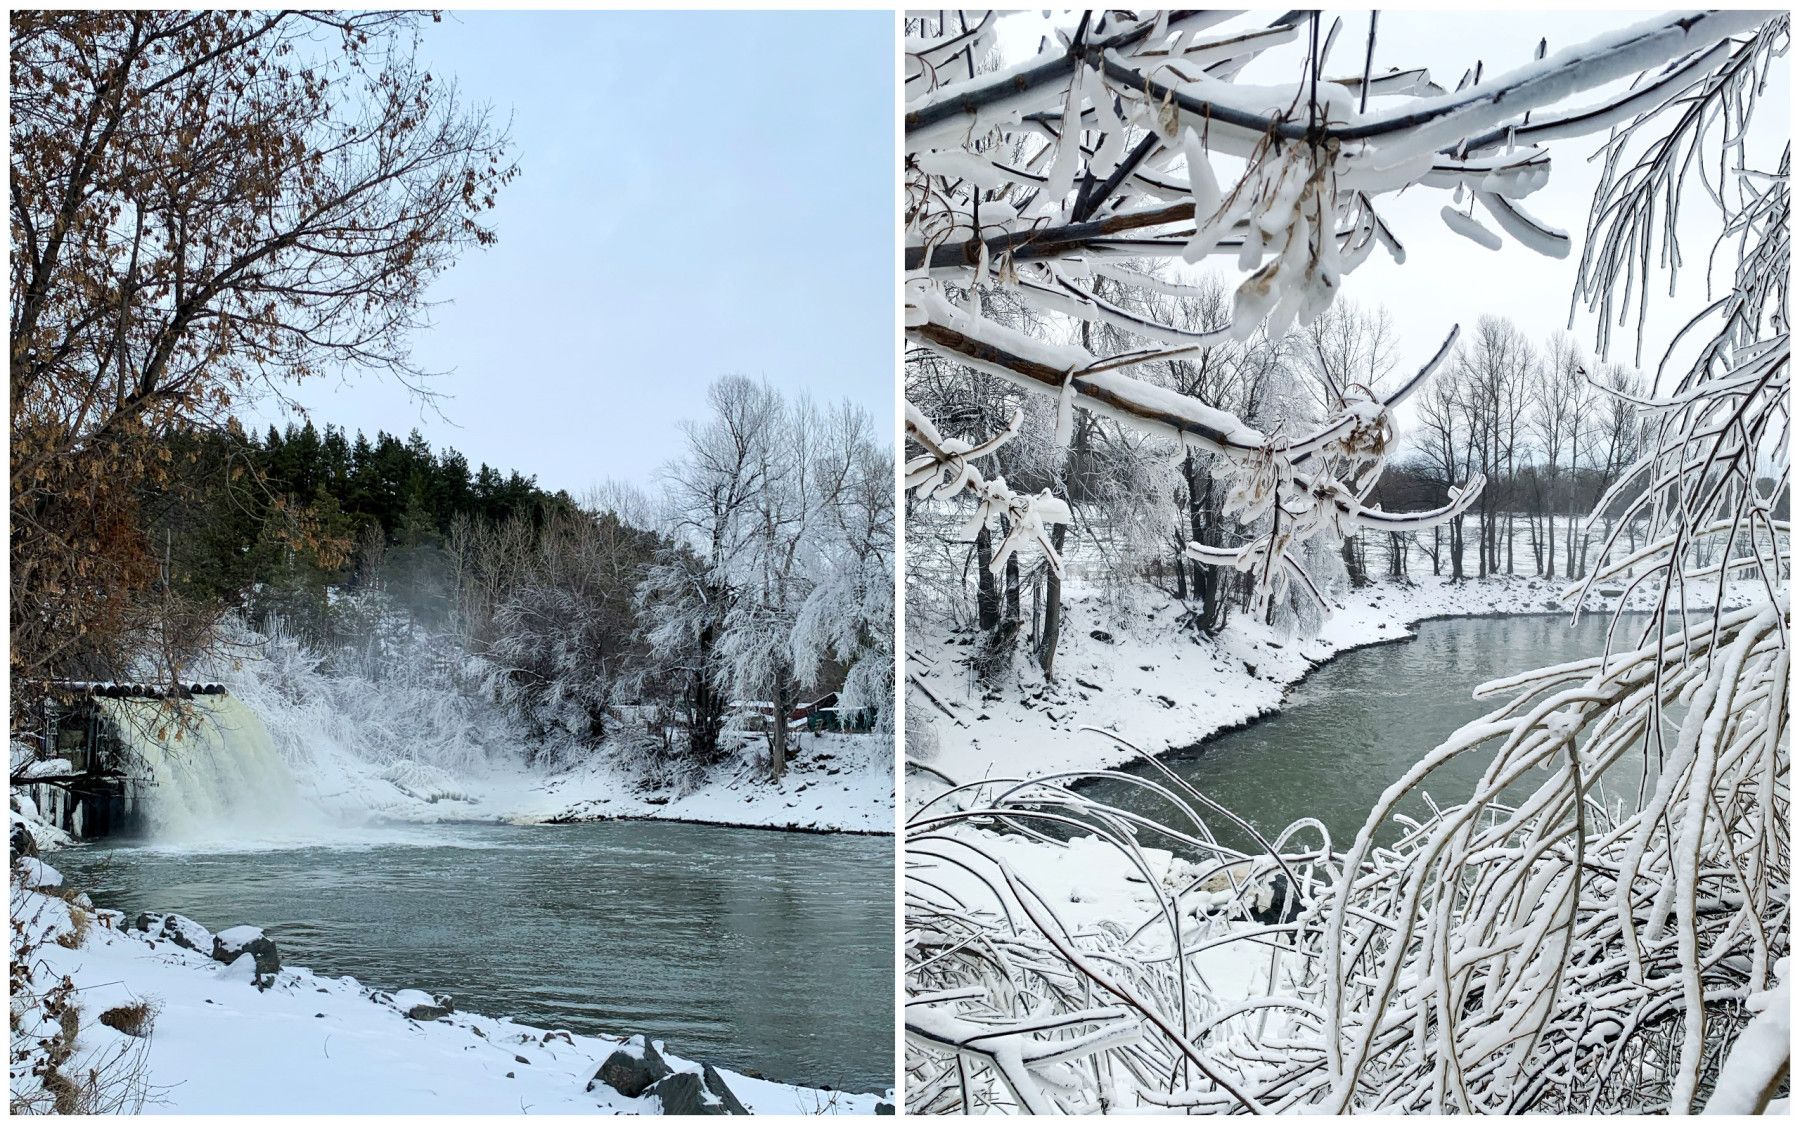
column 759, row 950
column 1359, row 722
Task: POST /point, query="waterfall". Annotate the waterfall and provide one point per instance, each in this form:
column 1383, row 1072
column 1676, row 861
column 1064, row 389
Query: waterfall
column 212, row 773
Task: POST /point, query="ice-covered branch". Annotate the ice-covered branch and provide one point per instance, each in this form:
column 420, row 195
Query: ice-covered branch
column 1599, row 923
column 945, row 470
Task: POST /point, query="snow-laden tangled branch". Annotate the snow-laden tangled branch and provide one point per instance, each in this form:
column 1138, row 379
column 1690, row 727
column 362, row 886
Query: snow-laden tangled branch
column 945, row 471
column 1003, row 193
column 1526, row 949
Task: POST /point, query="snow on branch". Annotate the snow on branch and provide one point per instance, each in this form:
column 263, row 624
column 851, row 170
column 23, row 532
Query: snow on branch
column 1029, row 178
column 1602, row 922
column 945, row 471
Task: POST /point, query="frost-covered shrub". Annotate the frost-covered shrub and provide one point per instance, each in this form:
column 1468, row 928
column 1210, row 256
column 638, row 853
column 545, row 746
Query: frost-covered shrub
column 57, row 1065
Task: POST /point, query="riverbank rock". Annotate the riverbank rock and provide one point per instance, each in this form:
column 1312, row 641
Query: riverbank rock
column 716, row 1083
column 1267, row 899
column 229, row 945
column 1273, row 903
column 703, row 1094
column 23, row 842
column 178, row 928
column 633, row 1067
column 420, row 1005
column 242, row 971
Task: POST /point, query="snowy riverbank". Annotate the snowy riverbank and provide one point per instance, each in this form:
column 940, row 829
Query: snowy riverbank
column 216, row 1043
column 834, row 783
column 1120, row 908
column 1132, row 670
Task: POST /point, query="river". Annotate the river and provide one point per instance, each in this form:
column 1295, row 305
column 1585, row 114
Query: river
column 758, row 950
column 1358, row 723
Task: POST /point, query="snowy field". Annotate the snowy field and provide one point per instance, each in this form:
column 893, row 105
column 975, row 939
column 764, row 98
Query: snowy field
column 336, row 1046
column 1134, row 672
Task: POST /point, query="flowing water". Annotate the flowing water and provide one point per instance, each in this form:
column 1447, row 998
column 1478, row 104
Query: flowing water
column 769, row 951
column 1357, row 724
column 213, row 773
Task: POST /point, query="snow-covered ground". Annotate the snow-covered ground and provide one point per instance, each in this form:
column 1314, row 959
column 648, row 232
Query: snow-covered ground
column 834, row 783
column 1132, row 670
column 309, row 1044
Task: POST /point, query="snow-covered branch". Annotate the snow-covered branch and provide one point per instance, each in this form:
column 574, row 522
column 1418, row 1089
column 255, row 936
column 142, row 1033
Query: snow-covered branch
column 1602, row 921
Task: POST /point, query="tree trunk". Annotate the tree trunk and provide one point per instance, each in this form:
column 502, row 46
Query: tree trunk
column 1550, row 535
column 778, row 729
column 1480, row 545
column 1353, row 562
column 1014, row 611
column 1052, row 609
column 987, row 591
column 1037, row 605
column 1181, row 568
column 1196, row 515
column 706, row 708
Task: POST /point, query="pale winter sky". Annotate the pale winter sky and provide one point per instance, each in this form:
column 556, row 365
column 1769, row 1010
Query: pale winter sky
column 700, row 194
column 1447, row 279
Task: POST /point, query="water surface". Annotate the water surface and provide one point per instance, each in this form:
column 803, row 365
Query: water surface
column 1357, row 724
column 759, row 950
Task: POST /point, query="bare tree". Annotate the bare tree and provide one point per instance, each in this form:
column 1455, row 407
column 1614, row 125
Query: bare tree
column 203, row 204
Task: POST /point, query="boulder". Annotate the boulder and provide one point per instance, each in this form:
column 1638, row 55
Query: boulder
column 715, row 1082
column 422, row 1006
column 243, row 969
column 23, row 842
column 1274, row 903
column 181, row 930
column 229, row 945
column 884, row 1109
column 633, row 1067
column 702, row 1094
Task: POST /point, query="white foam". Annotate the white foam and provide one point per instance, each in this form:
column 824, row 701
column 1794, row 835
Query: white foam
column 214, row 776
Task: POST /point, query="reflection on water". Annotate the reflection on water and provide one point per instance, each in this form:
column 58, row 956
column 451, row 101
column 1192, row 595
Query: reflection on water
column 769, row 951
column 1356, row 726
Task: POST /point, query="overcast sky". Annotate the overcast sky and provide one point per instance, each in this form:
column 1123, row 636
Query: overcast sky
column 699, row 194
column 1447, row 279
